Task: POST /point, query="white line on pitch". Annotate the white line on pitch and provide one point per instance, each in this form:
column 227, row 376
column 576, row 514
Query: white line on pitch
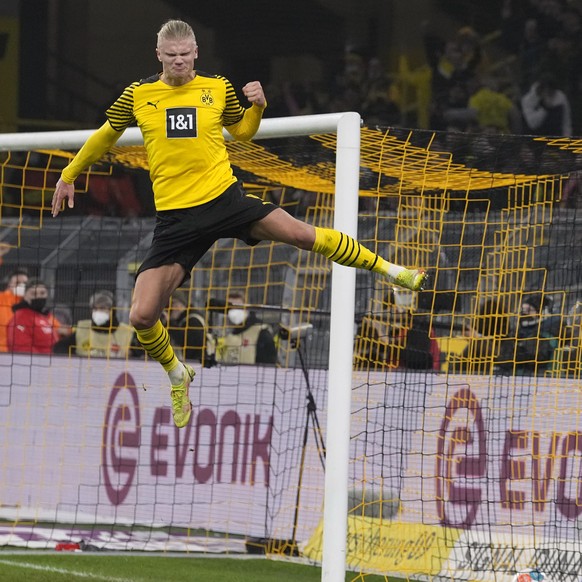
column 32, row 566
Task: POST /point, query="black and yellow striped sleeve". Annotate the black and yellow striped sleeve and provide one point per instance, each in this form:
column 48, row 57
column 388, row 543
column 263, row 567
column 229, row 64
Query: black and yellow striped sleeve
column 241, row 123
column 233, row 110
column 120, row 115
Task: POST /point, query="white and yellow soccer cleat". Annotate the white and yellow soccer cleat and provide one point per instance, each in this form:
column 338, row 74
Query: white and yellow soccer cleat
column 181, row 405
column 413, row 279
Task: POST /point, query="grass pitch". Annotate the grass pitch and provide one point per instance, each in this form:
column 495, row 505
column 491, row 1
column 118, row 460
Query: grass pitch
column 105, row 567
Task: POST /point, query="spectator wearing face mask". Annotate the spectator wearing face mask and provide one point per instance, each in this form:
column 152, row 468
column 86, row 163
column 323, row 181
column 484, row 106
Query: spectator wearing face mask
column 188, row 330
column 102, row 336
column 12, row 294
column 250, row 341
column 32, row 328
column 529, row 350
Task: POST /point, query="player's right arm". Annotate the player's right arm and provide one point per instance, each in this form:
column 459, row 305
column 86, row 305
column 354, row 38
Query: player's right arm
column 94, row 149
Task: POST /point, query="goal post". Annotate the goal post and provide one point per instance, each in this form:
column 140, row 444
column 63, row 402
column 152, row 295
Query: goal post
column 342, row 311
column 343, row 289
column 455, row 425
column 273, row 127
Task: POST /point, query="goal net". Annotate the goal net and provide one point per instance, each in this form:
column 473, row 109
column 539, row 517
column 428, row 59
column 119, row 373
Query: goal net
column 464, row 448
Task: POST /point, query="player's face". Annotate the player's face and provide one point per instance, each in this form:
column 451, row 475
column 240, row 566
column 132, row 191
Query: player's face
column 177, row 58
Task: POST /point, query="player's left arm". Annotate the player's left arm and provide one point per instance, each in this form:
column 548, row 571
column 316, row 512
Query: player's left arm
column 247, row 124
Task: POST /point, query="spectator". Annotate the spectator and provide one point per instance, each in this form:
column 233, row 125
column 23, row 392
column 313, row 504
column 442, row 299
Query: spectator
column 572, row 190
column 551, row 322
column 495, row 112
column 448, row 63
column 12, row 294
column 32, row 328
column 379, row 335
column 453, row 113
column 380, row 107
column 250, row 341
column 189, row 332
column 453, row 64
column 532, row 51
column 485, row 331
column 102, row 336
column 302, row 98
column 546, row 109
column 531, row 349
column 568, row 355
column 349, row 87
column 397, row 337
column 568, row 51
column 421, row 350
column 112, row 195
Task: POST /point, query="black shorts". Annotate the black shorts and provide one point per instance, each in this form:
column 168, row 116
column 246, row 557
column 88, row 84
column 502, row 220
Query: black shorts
column 183, row 236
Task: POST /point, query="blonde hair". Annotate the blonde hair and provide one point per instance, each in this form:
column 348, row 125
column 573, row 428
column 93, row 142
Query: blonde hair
column 176, row 30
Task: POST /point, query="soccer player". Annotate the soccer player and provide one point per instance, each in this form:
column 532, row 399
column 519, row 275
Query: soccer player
column 181, row 113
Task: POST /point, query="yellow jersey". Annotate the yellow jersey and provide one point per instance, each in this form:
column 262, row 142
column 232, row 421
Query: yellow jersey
column 182, row 132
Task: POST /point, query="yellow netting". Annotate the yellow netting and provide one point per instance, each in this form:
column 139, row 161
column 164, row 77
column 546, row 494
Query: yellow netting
column 488, row 216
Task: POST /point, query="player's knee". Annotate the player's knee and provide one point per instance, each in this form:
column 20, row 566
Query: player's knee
column 140, row 319
column 304, row 237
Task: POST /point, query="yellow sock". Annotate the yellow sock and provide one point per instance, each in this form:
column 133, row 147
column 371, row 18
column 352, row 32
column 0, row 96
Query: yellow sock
column 156, row 342
column 345, row 250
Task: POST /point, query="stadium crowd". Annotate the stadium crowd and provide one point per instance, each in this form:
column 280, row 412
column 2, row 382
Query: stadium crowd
column 397, row 334
column 526, row 80
column 524, row 77
column 31, row 323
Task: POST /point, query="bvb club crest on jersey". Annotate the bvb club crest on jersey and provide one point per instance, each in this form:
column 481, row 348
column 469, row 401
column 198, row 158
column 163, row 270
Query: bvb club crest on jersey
column 206, row 97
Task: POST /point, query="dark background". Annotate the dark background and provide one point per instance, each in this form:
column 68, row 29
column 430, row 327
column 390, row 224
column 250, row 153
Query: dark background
column 76, row 55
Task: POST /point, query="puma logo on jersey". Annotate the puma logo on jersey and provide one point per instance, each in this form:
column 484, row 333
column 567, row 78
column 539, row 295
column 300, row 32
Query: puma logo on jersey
column 153, row 104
